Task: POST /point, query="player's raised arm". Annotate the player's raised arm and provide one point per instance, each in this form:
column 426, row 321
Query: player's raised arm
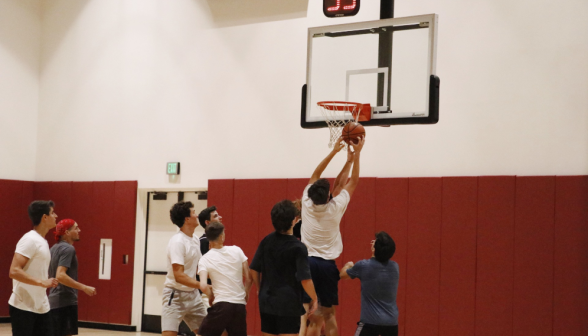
column 354, row 180
column 341, row 179
column 325, row 162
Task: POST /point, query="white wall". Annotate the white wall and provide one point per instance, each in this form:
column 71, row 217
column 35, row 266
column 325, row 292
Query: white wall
column 128, row 85
column 20, row 36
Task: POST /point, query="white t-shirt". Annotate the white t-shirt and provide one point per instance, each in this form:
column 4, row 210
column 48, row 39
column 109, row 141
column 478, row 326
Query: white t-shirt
column 28, row 297
column 320, row 225
column 182, row 250
column 225, row 269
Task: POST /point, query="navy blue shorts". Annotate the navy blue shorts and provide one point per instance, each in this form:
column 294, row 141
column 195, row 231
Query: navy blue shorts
column 276, row 325
column 325, row 276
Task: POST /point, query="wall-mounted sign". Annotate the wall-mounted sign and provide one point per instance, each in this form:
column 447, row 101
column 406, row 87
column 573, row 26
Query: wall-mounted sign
column 173, row 168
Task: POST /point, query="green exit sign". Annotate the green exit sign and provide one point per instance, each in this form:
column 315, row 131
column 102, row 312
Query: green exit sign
column 173, row 168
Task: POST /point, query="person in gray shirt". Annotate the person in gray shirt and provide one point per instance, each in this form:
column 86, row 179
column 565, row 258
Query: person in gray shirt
column 63, row 299
column 379, row 284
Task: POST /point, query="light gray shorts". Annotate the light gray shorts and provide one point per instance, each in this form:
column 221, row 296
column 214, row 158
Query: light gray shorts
column 179, row 305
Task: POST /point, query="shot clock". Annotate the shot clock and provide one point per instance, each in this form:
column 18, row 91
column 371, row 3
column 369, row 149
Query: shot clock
column 340, row 8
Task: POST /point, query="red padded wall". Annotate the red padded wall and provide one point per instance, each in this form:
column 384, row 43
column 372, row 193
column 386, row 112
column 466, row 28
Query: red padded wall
column 296, row 187
column 271, row 191
column 423, row 259
column 245, row 234
column 392, row 217
column 101, row 227
column 358, row 231
column 570, row 308
column 87, row 247
column 125, row 208
column 458, row 256
column 102, row 210
column 533, row 256
column 465, row 267
column 495, row 253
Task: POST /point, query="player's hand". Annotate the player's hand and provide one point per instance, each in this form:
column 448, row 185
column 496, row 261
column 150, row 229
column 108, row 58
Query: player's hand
column 359, row 145
column 313, row 307
column 339, row 144
column 90, row 291
column 349, row 264
column 49, row 283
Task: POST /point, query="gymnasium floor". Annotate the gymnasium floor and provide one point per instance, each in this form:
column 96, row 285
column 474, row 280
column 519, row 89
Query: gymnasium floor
column 6, row 331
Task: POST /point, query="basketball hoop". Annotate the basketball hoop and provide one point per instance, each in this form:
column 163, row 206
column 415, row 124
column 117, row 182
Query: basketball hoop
column 338, row 113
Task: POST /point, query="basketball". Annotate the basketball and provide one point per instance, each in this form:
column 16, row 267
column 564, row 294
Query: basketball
column 352, row 131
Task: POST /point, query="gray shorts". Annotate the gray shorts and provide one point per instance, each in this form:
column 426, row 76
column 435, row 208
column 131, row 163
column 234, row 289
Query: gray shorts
column 182, row 305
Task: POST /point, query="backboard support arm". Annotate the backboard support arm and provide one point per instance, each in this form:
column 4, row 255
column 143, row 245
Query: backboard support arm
column 385, row 54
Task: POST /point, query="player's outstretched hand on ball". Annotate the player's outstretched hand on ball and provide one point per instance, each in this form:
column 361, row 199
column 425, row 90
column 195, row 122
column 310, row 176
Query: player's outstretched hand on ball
column 359, row 145
column 90, row 291
column 339, row 144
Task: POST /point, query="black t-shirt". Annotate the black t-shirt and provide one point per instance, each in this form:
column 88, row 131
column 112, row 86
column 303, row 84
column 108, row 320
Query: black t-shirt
column 204, row 247
column 282, row 261
column 204, row 244
column 297, row 228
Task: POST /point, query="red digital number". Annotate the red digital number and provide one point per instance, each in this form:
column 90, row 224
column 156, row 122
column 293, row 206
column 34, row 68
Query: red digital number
column 338, row 6
column 352, row 6
column 335, row 8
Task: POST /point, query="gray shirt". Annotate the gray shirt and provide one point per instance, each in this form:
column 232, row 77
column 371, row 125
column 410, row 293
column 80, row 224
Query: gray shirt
column 379, row 284
column 63, row 254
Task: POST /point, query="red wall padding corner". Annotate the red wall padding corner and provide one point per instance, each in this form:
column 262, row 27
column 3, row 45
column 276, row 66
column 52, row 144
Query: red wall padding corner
column 570, row 308
column 489, row 255
column 102, row 210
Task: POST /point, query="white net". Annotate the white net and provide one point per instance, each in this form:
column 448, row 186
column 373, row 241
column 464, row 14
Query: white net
column 337, row 114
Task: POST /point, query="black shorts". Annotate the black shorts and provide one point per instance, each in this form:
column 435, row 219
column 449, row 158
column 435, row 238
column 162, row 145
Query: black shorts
column 364, row 329
column 275, row 325
column 325, row 276
column 65, row 320
column 26, row 323
column 225, row 315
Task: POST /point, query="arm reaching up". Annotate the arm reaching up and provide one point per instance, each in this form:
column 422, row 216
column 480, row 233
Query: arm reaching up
column 341, row 179
column 354, row 180
column 323, row 165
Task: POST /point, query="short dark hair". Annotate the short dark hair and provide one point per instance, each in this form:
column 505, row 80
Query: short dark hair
column 384, row 247
column 179, row 212
column 214, row 230
column 39, row 208
column 319, row 192
column 204, row 215
column 283, row 213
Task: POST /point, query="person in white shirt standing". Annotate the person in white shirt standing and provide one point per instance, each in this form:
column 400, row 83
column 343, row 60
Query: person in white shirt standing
column 321, row 216
column 29, row 305
column 181, row 300
column 228, row 269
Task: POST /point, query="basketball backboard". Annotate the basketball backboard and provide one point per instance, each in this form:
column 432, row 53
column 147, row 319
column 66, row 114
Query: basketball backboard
column 388, row 64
